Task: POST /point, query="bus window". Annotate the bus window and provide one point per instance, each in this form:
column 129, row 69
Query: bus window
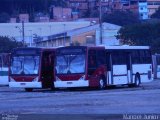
column 141, row 56
column 148, row 56
column 92, row 52
column 92, row 64
column 108, row 62
column 100, row 57
column 1, row 61
column 135, row 57
column 119, row 58
column 92, row 61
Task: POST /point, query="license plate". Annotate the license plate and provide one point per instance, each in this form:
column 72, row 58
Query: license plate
column 69, row 82
column 23, row 83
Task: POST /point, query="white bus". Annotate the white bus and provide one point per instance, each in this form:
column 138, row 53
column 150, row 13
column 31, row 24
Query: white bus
column 128, row 65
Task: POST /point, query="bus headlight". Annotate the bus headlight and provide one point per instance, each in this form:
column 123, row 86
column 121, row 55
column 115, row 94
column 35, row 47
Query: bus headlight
column 57, row 79
column 12, row 80
column 35, row 79
column 82, row 78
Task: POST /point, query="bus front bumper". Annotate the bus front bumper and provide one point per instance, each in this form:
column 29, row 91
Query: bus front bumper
column 69, row 84
column 26, row 84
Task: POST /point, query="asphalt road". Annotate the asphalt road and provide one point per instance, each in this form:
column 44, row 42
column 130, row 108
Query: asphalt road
column 123, row 100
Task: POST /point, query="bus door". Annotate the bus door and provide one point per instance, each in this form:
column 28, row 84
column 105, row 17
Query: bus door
column 120, row 68
column 92, row 65
column 47, row 69
column 96, row 66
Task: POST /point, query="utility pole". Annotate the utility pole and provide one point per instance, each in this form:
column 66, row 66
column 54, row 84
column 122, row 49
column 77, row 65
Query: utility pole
column 23, row 33
column 30, row 38
column 100, row 21
column 64, row 40
column 21, row 30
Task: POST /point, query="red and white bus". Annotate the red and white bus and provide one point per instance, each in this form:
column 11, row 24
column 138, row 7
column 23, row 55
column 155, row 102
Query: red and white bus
column 31, row 68
column 4, row 61
column 82, row 66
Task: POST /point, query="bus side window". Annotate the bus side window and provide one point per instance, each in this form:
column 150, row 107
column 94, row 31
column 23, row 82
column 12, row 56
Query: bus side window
column 100, row 57
column 148, row 56
column 108, row 62
column 135, row 57
column 92, row 61
column 142, row 56
column 0, row 61
column 92, row 64
column 119, row 58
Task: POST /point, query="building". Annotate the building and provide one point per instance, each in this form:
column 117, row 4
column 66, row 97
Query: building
column 85, row 7
column 106, row 5
column 82, row 7
column 82, row 36
column 143, row 10
column 24, row 18
column 138, row 7
column 79, row 6
column 61, row 14
column 41, row 19
column 34, row 30
column 13, row 20
column 153, row 5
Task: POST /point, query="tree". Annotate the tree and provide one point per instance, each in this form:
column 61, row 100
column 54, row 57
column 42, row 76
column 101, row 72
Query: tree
column 121, row 18
column 94, row 13
column 61, row 3
column 4, row 17
column 156, row 14
column 7, row 44
column 141, row 34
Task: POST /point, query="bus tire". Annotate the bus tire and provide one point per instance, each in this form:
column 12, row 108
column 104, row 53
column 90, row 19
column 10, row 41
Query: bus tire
column 137, row 80
column 28, row 89
column 102, row 83
column 131, row 85
column 52, row 88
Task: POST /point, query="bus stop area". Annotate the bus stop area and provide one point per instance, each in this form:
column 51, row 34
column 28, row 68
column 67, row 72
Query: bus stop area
column 121, row 100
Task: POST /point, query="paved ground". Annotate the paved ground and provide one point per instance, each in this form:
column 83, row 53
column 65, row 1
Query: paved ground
column 142, row 100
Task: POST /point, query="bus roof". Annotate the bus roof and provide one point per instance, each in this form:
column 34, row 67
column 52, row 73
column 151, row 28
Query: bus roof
column 34, row 48
column 80, row 47
column 127, row 47
column 30, row 50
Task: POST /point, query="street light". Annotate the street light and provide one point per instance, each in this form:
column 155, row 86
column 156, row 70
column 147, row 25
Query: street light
column 64, row 40
column 21, row 31
column 30, row 37
column 100, row 21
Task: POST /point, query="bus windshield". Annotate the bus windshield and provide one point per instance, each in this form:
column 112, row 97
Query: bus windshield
column 25, row 65
column 70, row 64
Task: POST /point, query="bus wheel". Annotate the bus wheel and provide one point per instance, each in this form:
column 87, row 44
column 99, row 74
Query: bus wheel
column 137, row 80
column 52, row 88
column 28, row 89
column 101, row 83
